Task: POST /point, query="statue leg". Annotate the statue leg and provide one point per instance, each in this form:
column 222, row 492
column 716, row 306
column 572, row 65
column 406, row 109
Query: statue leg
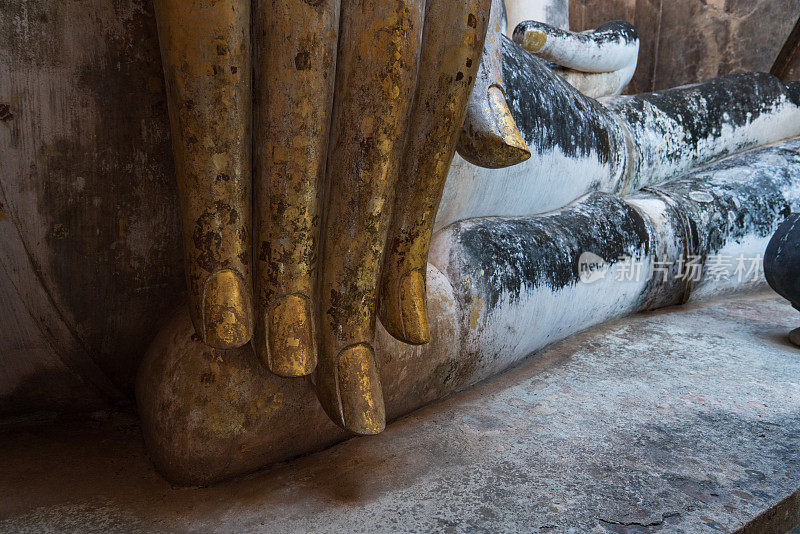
column 295, row 70
column 376, row 77
column 205, row 48
column 451, row 49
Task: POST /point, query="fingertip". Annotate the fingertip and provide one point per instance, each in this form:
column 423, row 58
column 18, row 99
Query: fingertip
column 533, row 40
column 227, row 316
column 491, row 137
column 290, row 348
column 360, row 395
column 349, row 390
column 511, row 147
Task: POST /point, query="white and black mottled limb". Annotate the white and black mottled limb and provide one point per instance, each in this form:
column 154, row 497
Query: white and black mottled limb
column 517, row 280
column 610, row 47
column 618, row 145
column 597, row 84
column 679, row 129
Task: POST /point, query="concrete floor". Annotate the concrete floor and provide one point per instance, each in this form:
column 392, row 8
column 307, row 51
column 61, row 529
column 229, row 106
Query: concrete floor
column 683, row 420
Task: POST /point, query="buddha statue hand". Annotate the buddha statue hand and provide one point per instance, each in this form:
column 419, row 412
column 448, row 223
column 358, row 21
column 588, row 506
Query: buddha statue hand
column 357, row 106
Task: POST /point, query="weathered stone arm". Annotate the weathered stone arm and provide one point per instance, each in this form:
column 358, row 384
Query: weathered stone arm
column 580, row 145
column 610, row 47
column 598, row 62
column 674, row 131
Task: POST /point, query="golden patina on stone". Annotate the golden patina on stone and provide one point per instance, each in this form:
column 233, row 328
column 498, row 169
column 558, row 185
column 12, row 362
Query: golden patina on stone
column 357, row 107
column 225, row 299
column 534, row 40
column 360, row 396
column 375, row 82
column 205, row 49
column 291, row 345
column 451, row 49
column 295, row 69
column 490, row 137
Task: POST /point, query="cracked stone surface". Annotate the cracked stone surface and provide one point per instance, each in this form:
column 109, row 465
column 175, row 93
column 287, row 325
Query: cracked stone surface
column 681, row 420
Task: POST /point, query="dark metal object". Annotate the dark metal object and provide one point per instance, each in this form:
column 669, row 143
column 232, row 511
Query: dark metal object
column 782, row 264
column 788, row 54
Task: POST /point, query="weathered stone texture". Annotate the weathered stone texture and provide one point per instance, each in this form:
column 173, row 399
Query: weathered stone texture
column 787, row 63
column 641, row 426
column 88, row 221
column 684, row 41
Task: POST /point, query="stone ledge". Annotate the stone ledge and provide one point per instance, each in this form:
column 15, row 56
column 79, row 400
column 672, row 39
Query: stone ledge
column 682, row 420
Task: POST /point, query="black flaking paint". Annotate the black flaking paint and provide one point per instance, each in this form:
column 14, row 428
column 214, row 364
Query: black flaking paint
column 507, row 256
column 615, row 31
column 793, row 91
column 551, row 113
column 703, row 109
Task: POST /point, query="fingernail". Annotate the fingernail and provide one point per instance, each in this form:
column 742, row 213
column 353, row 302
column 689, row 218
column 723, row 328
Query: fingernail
column 359, row 387
column 511, row 148
column 226, row 311
column 412, row 308
column 291, row 337
column 533, row 40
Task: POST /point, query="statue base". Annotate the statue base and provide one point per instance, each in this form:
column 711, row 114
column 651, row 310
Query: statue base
column 679, row 420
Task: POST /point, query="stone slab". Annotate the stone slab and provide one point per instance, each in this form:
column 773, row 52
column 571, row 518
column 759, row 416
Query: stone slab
column 681, row 420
